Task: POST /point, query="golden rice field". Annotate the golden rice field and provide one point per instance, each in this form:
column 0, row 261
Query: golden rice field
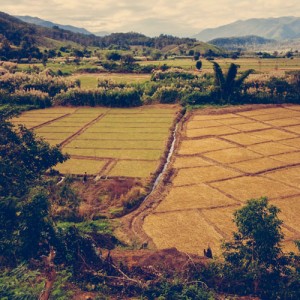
column 221, row 161
column 103, row 141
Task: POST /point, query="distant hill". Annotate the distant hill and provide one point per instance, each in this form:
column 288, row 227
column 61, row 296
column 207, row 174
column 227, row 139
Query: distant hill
column 243, row 43
column 49, row 24
column 101, row 33
column 271, row 28
column 26, row 37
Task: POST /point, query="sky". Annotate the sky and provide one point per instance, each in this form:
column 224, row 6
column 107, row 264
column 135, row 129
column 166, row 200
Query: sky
column 176, row 17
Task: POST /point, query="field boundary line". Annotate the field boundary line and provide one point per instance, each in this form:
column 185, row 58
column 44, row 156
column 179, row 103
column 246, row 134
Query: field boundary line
column 82, row 129
column 213, row 225
column 108, row 167
column 49, row 122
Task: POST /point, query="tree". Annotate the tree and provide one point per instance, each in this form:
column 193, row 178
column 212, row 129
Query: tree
column 25, row 227
column 259, row 235
column 113, row 56
column 228, row 87
column 254, row 262
column 199, row 65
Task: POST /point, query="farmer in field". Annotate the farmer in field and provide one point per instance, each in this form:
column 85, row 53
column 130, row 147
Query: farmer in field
column 208, row 252
column 84, row 178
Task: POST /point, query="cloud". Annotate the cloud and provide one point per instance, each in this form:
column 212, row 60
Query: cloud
column 184, row 17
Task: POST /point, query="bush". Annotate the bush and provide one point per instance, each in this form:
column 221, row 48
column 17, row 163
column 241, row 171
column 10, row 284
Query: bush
column 198, row 98
column 166, row 95
column 115, row 97
column 30, row 97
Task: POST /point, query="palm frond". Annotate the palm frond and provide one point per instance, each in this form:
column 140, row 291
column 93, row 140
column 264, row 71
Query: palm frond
column 219, row 77
column 243, row 77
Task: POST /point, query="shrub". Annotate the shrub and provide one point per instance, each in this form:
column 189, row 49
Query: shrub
column 166, row 94
column 30, row 97
column 115, row 97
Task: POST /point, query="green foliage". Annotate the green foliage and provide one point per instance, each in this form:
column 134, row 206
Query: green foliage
column 254, row 262
column 20, row 284
column 259, row 235
column 199, row 65
column 117, row 97
column 166, row 95
column 64, row 200
column 165, row 290
column 228, row 87
column 99, row 226
column 60, row 289
column 25, row 228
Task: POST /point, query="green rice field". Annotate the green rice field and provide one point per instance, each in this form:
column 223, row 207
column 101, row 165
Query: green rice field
column 103, row 141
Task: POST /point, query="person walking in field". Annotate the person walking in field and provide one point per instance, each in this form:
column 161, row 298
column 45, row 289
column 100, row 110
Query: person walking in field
column 84, row 178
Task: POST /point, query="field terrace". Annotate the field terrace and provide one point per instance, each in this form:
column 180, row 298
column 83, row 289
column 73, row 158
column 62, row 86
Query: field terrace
column 104, row 141
column 221, row 161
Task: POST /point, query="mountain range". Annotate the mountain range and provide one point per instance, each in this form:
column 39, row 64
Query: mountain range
column 280, row 29
column 49, row 24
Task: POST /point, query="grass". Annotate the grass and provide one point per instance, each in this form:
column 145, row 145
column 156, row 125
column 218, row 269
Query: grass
column 260, row 65
column 133, row 168
column 133, row 140
column 117, row 153
column 90, row 81
column 143, row 130
column 99, row 226
column 55, row 135
column 131, row 125
column 122, row 136
column 80, row 166
column 116, row 144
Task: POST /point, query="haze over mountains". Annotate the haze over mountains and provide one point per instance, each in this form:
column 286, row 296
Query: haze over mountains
column 280, row 29
column 49, row 24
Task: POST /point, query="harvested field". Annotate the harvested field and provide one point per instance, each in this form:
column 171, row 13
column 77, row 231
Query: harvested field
column 189, row 162
column 227, row 156
column 249, row 187
column 188, row 147
column 273, row 134
column 188, row 231
column 219, row 130
column 290, row 176
column 105, row 141
column 257, row 165
column 215, row 172
column 271, row 148
column 200, row 196
column 288, row 158
column 251, row 126
column 244, row 139
column 203, row 174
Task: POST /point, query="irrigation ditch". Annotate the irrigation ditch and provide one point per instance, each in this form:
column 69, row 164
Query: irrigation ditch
column 132, row 223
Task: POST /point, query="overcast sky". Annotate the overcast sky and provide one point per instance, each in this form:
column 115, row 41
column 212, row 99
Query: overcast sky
column 151, row 17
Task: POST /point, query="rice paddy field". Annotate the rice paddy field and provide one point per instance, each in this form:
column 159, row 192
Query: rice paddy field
column 104, row 141
column 260, row 65
column 222, row 160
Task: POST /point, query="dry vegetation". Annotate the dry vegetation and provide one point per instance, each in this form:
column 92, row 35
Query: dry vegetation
column 222, row 160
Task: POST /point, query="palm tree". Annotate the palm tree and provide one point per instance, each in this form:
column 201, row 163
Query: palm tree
column 228, row 86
